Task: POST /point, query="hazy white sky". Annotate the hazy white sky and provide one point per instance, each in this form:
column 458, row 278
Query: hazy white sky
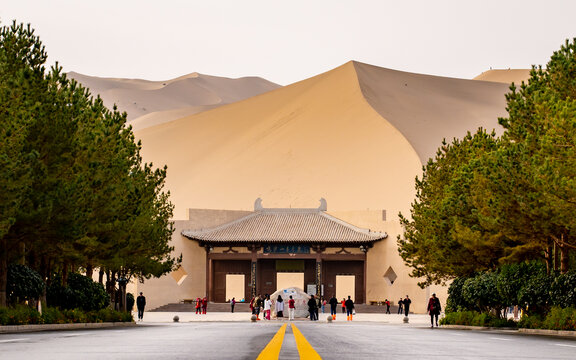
column 289, row 41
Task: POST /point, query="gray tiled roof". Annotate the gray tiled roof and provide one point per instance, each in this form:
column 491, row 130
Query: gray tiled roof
column 286, row 225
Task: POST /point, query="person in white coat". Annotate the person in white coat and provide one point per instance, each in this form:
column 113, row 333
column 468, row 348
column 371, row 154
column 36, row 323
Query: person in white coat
column 267, row 307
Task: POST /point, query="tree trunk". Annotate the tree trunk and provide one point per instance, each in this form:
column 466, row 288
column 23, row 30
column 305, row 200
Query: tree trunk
column 101, row 276
column 22, row 259
column 564, row 258
column 3, row 273
column 548, row 257
column 556, row 257
column 89, row 270
column 65, row 274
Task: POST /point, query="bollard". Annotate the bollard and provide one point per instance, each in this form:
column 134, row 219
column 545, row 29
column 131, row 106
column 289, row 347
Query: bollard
column 253, row 318
column 176, row 318
column 329, row 319
column 405, row 320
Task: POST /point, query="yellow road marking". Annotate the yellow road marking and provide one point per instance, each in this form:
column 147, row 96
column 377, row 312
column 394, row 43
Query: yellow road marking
column 305, row 350
column 272, row 350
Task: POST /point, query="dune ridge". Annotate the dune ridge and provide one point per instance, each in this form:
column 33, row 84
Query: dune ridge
column 356, row 135
column 507, row 76
column 188, row 94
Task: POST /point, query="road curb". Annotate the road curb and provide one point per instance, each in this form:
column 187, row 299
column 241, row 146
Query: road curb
column 567, row 333
column 562, row 333
column 12, row 329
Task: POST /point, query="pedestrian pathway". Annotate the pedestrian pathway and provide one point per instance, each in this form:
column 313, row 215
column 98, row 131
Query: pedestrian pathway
column 416, row 320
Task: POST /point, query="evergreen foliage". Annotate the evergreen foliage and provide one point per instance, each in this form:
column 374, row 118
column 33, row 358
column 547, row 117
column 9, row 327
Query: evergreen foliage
column 485, row 201
column 76, row 192
column 23, row 284
column 80, row 293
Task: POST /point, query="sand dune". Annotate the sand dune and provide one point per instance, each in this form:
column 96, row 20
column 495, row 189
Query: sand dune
column 507, row 76
column 356, row 135
column 187, row 94
column 426, row 109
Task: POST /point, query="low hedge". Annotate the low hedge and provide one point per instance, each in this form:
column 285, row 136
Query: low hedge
column 556, row 319
column 473, row 318
column 24, row 315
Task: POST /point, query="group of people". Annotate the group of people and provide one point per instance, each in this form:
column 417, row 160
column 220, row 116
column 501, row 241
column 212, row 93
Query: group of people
column 315, row 303
column 201, row 305
column 433, row 308
column 404, row 305
column 264, row 304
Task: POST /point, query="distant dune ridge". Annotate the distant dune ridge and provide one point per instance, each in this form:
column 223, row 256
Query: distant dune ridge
column 152, row 102
column 506, row 76
column 356, row 135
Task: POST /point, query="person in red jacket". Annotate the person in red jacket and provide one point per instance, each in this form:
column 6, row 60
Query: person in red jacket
column 198, row 306
column 204, row 304
column 291, row 308
column 434, row 309
column 343, row 305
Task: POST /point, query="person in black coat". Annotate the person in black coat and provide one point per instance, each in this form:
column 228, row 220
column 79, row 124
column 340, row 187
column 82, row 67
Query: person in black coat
column 406, row 302
column 141, row 304
column 349, row 308
column 312, row 308
column 333, row 305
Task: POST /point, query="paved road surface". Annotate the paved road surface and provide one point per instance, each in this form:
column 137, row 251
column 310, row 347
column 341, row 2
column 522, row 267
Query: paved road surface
column 245, row 340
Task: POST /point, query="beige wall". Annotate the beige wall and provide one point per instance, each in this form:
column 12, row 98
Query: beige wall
column 385, row 254
column 166, row 290
column 381, row 257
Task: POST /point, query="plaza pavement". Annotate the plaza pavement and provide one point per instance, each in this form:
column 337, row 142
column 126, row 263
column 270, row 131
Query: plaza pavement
column 415, row 320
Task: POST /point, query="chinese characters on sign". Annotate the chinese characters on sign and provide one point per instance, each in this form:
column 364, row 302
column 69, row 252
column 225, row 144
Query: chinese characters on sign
column 287, row 249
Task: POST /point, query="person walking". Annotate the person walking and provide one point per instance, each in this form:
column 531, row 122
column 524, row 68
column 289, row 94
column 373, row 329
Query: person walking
column 267, row 307
column 259, row 306
column 198, row 306
column 232, row 303
column 333, row 304
column 434, row 309
column 291, row 308
column 387, row 306
column 204, row 305
column 312, row 308
column 400, row 306
column 318, row 306
column 406, row 303
column 349, row 308
column 279, row 307
column 343, row 305
column 323, row 304
column 141, row 304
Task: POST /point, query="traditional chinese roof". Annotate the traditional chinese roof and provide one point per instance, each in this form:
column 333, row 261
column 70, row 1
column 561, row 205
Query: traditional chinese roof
column 286, row 226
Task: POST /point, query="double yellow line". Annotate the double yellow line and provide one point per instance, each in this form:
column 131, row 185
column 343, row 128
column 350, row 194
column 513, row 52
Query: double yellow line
column 272, row 350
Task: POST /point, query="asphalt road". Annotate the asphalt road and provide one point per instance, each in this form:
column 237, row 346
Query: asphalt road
column 244, row 340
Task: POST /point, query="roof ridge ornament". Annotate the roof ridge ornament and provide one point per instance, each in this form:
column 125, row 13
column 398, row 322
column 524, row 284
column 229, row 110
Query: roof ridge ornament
column 258, row 205
column 323, row 205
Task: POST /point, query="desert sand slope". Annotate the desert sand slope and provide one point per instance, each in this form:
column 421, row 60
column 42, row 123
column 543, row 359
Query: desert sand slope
column 161, row 117
column 427, row 109
column 356, row 135
column 507, row 76
column 189, row 94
